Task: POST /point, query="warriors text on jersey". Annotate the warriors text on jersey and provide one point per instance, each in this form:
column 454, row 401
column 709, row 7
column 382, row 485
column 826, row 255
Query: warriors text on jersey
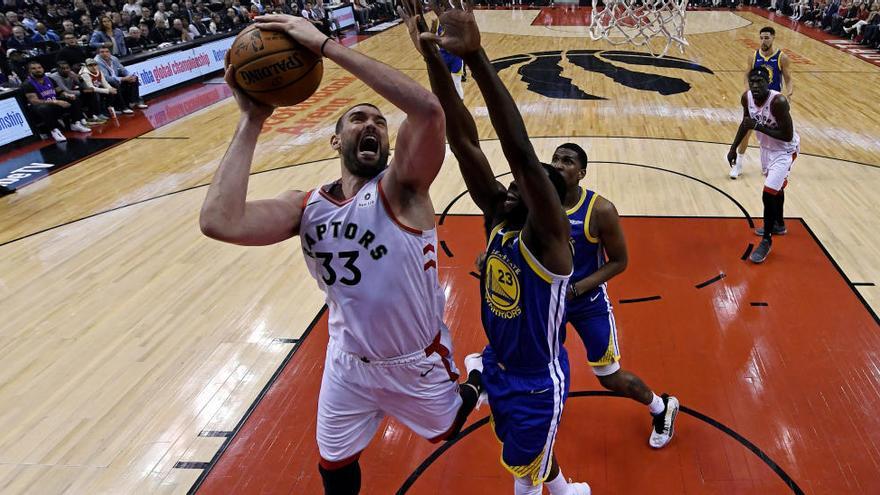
column 379, row 276
column 774, row 68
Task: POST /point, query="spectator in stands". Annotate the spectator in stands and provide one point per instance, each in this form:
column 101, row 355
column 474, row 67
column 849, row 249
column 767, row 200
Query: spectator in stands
column 134, row 41
column 196, row 27
column 5, row 28
column 17, row 63
column 126, row 21
column 29, row 21
column 52, row 17
column 19, row 40
column 119, row 77
column 80, row 9
column 154, row 36
column 188, row 12
column 48, row 104
column 814, row 13
column 146, row 17
column 231, row 19
column 12, row 17
column 872, row 33
column 132, row 7
column 45, row 34
column 72, row 52
column 85, row 28
column 861, row 16
column 161, row 13
column 109, row 37
column 69, row 81
column 104, row 97
column 179, row 32
column 9, row 80
column 361, row 12
column 67, row 26
column 216, row 24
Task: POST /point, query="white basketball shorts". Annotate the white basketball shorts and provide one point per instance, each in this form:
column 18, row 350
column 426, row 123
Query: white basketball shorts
column 776, row 165
column 420, row 390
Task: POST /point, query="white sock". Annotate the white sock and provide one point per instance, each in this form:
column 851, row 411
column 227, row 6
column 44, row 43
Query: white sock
column 523, row 486
column 656, row 405
column 739, row 161
column 558, row 485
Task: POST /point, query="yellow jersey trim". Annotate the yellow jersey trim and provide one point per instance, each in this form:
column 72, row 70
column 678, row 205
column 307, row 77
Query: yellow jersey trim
column 536, row 267
column 594, row 240
column 494, row 232
column 579, row 203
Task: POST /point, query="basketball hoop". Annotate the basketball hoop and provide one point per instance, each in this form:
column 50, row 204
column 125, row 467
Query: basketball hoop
column 638, row 22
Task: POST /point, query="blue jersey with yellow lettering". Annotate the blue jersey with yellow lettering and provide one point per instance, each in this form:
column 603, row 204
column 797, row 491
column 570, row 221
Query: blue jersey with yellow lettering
column 773, row 66
column 523, row 305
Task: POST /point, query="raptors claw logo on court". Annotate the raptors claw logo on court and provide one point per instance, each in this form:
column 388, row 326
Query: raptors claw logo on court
column 543, row 70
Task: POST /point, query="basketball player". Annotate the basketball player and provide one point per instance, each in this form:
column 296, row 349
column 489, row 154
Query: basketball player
column 456, row 67
column 369, row 240
column 528, row 263
column 779, row 66
column 599, row 255
column 595, row 233
column 767, row 112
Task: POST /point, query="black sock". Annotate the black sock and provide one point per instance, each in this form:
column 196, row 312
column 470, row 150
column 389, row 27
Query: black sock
column 343, row 481
column 469, row 391
column 780, row 218
column 769, row 201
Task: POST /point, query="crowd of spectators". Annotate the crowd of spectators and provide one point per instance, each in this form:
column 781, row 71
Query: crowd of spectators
column 858, row 20
column 82, row 42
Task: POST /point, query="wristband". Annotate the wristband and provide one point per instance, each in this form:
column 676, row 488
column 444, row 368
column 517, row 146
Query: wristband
column 323, row 45
column 573, row 289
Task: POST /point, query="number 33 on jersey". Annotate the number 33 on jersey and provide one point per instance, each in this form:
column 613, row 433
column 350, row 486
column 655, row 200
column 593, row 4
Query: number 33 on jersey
column 376, row 271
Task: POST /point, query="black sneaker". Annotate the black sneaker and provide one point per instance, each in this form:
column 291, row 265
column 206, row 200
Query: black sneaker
column 760, row 253
column 664, row 423
column 777, row 230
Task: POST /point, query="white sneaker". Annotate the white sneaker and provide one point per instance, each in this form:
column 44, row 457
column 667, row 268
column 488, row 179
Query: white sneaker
column 735, row 170
column 58, row 136
column 664, row 423
column 581, row 488
column 127, row 111
column 475, row 362
column 142, row 105
column 77, row 127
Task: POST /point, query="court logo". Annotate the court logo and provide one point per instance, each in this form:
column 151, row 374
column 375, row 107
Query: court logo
column 542, row 71
column 502, row 287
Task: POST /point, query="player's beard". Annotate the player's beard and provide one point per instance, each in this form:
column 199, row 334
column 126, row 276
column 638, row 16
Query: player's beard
column 359, row 168
column 515, row 218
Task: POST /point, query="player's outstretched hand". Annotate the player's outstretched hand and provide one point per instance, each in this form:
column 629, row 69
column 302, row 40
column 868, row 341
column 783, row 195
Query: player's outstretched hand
column 249, row 107
column 460, row 35
column 303, row 31
column 414, row 17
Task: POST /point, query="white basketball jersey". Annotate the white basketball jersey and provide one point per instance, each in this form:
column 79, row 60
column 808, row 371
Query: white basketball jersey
column 764, row 116
column 379, row 276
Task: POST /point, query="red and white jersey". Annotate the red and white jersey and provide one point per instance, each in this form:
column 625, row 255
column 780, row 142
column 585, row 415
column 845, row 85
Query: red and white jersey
column 378, row 275
column 764, row 116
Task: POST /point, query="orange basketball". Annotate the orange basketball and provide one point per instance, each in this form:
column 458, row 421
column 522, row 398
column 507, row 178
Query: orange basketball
column 274, row 69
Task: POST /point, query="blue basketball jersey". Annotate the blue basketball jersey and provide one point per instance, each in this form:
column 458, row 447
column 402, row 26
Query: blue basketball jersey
column 588, row 253
column 772, row 64
column 523, row 305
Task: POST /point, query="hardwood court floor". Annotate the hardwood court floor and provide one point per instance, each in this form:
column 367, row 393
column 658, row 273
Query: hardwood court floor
column 749, row 352
column 132, row 346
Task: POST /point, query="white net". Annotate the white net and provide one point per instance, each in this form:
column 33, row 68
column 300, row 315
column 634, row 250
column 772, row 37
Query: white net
column 640, row 22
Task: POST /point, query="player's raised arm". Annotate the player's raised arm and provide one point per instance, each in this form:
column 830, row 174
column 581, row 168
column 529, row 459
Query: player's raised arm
column 420, row 143
column 461, row 130
column 547, row 229
column 226, row 214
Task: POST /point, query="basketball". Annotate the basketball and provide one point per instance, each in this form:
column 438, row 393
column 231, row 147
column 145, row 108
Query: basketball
column 274, row 69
